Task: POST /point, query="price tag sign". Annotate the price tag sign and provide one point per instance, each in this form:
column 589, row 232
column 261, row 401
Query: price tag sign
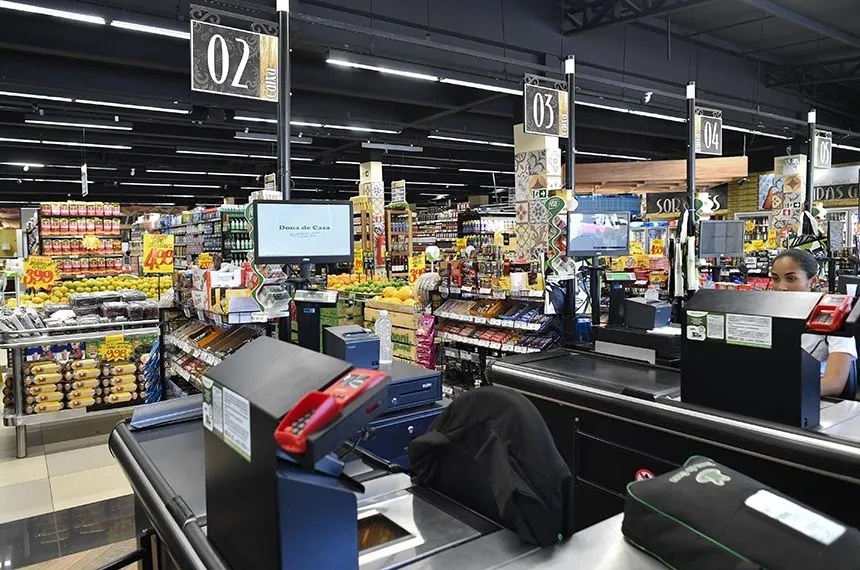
column 205, row 261
column 358, row 261
column 157, row 253
column 115, row 348
column 398, row 191
column 417, row 266
column 460, row 244
column 657, row 247
column 40, row 272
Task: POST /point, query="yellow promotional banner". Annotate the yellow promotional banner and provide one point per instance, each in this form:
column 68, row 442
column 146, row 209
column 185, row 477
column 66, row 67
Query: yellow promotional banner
column 157, row 253
column 205, row 260
column 460, row 244
column 40, row 272
column 115, row 348
column 358, row 261
column 657, row 247
column 417, row 266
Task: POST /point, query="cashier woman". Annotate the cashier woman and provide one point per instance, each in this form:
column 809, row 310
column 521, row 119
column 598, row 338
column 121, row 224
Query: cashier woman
column 797, row 270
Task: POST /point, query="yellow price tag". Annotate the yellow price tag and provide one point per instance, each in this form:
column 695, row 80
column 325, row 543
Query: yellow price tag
column 40, row 272
column 417, row 266
column 460, row 244
column 657, row 247
column 157, row 253
column 205, row 261
column 358, row 261
column 91, row 242
column 636, row 248
column 115, row 348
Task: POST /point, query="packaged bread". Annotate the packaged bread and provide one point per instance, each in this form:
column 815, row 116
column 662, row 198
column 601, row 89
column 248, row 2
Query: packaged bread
column 119, row 397
column 44, row 367
column 42, row 388
column 83, row 374
column 45, row 407
column 82, row 403
column 119, row 368
column 78, row 394
column 50, row 378
column 84, row 363
column 121, row 379
column 45, row 397
column 87, row 383
column 132, row 387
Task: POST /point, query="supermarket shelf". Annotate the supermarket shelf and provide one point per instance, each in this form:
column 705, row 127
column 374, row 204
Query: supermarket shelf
column 10, row 419
column 181, row 372
column 79, row 236
column 501, row 323
column 84, row 255
column 238, row 249
column 79, row 337
column 399, row 233
column 512, row 348
column 89, row 275
column 200, row 354
column 485, row 293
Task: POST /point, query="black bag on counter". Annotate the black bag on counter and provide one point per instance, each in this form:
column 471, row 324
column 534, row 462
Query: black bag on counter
column 705, row 516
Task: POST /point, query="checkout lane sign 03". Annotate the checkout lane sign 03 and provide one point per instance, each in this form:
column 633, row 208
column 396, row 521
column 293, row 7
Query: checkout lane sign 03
column 234, row 62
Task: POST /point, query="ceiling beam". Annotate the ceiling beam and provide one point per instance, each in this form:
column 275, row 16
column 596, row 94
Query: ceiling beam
column 823, row 72
column 587, row 15
column 780, row 11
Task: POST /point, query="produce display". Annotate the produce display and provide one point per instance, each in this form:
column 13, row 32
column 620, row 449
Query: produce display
column 359, row 283
column 61, row 292
column 403, row 295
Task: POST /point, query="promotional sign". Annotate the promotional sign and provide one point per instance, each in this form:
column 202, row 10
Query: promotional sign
column 270, row 182
column 40, row 272
column 840, row 183
column 657, row 247
column 460, row 244
column 398, row 191
column 205, row 260
column 417, row 266
column 709, row 131
column 115, row 348
column 157, row 253
column 673, row 202
column 546, row 110
column 358, row 260
column 84, row 181
column 228, row 61
column 823, row 149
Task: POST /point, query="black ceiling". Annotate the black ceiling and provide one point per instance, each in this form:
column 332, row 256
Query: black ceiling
column 783, row 65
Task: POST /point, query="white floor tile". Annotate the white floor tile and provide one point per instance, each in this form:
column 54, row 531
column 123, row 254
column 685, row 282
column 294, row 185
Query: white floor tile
column 88, row 486
column 25, row 500
column 74, row 460
column 14, row 471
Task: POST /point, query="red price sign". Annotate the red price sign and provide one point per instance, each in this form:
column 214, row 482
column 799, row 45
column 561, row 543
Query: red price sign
column 157, row 253
column 39, row 272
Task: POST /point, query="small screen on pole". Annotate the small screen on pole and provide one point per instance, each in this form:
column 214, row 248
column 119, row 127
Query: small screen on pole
column 303, row 231
column 721, row 238
column 598, row 234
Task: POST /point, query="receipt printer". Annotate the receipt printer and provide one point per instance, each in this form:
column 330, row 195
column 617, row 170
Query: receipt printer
column 642, row 314
column 357, row 345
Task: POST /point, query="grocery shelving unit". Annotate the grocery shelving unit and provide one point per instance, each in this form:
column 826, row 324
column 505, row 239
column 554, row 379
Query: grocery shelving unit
column 761, row 222
column 435, row 226
column 363, row 231
column 235, row 236
column 398, row 227
column 479, row 228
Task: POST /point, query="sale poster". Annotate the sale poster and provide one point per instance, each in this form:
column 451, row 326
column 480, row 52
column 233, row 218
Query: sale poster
column 40, row 272
column 157, row 253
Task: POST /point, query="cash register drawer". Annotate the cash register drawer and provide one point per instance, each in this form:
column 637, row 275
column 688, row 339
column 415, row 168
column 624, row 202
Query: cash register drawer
column 392, row 433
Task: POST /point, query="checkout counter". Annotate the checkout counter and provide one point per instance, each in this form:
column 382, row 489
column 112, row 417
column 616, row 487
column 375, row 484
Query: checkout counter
column 207, row 499
column 614, row 419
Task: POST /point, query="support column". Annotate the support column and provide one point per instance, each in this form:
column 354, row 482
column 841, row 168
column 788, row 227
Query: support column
column 283, row 177
column 372, row 186
column 789, row 181
column 537, row 167
column 810, row 161
column 691, row 154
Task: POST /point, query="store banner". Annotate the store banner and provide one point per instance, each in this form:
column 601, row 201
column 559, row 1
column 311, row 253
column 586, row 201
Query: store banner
column 840, row 183
column 157, row 253
column 40, row 272
column 228, row 61
column 673, row 202
column 398, row 191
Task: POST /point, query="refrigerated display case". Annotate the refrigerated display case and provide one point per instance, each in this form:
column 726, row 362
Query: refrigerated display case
column 652, row 235
column 847, row 219
column 760, row 226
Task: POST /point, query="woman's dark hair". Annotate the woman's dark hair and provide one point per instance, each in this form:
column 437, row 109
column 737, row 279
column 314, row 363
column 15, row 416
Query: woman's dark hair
column 803, row 258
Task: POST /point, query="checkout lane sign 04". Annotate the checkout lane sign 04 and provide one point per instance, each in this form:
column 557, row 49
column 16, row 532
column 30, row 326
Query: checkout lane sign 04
column 233, row 62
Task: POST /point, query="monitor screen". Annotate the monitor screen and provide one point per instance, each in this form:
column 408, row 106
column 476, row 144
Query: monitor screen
column 721, row 238
column 606, row 234
column 303, row 231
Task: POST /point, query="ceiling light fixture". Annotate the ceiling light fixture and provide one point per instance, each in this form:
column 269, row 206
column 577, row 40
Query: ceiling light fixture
column 251, row 119
column 177, row 111
column 78, row 123
column 240, row 174
column 482, row 86
column 435, row 196
column 268, row 137
column 36, row 96
column 305, row 124
column 609, row 155
column 65, row 14
column 470, row 141
column 66, row 143
column 415, row 166
column 78, row 167
column 385, row 70
column 451, row 184
column 145, row 184
column 483, row 171
column 754, row 132
column 196, row 186
column 189, row 172
column 361, row 129
column 847, row 147
column 151, row 29
column 24, row 164
column 350, row 162
column 392, row 147
column 310, row 178
column 211, row 153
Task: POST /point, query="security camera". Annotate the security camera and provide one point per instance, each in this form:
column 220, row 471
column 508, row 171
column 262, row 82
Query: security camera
column 646, row 98
column 743, row 180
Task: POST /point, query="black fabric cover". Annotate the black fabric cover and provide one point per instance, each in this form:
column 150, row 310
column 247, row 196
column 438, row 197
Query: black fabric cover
column 491, row 451
column 696, row 518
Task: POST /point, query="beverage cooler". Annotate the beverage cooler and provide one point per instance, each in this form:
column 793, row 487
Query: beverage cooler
column 761, row 225
column 844, row 219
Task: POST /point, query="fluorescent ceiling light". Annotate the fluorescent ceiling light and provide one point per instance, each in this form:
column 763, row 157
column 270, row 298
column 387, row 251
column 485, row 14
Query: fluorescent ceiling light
column 306, row 190
column 301, row 158
column 256, row 119
column 470, row 141
column 65, row 14
column 415, row 166
column 82, row 123
column 177, row 111
column 268, row 137
column 23, row 164
column 662, row 117
column 609, row 155
column 250, row 188
column 847, row 147
column 601, row 106
column 304, row 124
column 482, row 86
column 344, row 179
column 144, row 184
column 22, row 141
column 78, row 167
column 361, row 129
column 310, row 178
column 191, row 172
column 351, row 162
column 483, row 171
column 36, row 96
column 212, row 153
column 241, row 174
column 435, row 196
column 151, row 29
column 386, row 70
column 66, row 143
column 393, row 147
column 436, row 184
column 754, row 132
column 267, row 157
column 196, row 186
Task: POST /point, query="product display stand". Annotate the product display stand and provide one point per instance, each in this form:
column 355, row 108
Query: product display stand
column 398, row 226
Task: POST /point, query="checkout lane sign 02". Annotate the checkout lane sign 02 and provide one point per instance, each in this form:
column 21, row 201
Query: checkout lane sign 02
column 643, row 475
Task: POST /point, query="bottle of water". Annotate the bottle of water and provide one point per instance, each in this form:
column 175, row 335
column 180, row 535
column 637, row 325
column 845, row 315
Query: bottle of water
column 383, row 331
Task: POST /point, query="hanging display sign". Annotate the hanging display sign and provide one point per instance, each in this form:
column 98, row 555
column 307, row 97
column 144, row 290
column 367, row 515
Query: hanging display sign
column 157, row 253
column 84, row 181
column 709, row 131
column 417, row 266
column 823, row 149
column 358, row 260
column 398, row 191
column 673, row 202
column 228, row 61
column 115, row 348
column 545, row 106
column 40, row 272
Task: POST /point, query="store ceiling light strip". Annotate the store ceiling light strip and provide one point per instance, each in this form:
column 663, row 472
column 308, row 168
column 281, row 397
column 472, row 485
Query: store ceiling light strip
column 754, row 132
column 24, row 164
column 177, row 111
column 200, row 173
column 65, row 14
column 610, row 155
column 478, row 170
column 150, row 29
column 118, row 126
column 35, row 96
column 847, row 147
column 380, row 69
column 78, row 167
column 482, row 86
column 65, row 143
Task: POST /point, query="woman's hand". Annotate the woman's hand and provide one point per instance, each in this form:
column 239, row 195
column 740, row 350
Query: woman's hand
column 836, row 373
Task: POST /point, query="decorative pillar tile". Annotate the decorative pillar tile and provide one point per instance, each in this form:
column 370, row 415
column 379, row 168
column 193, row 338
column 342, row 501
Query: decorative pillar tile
column 553, row 162
column 522, row 209
column 537, row 182
column 538, row 213
column 554, row 183
column 521, row 164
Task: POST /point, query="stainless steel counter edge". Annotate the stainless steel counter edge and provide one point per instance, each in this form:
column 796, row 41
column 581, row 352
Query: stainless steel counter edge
column 703, row 419
column 186, row 542
column 43, row 339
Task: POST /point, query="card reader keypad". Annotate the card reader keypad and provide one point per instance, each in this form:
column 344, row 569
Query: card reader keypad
column 297, row 426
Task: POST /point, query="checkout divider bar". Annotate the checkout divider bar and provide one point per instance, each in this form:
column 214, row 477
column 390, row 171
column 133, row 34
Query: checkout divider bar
column 173, row 520
column 693, row 422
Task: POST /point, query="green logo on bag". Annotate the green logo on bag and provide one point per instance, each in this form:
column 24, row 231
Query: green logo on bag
column 714, row 476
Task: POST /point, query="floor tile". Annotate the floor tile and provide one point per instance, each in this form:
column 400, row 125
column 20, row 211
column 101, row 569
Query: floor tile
column 96, row 524
column 24, row 500
column 88, row 486
column 13, row 471
column 79, row 428
column 89, row 559
column 74, row 460
column 78, row 443
column 8, row 449
column 28, row 541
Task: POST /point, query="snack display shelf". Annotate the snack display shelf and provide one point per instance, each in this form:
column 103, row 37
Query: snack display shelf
column 501, row 323
column 511, row 348
column 87, row 255
column 82, row 236
column 199, row 353
column 176, row 368
column 26, row 342
column 487, row 293
column 115, row 328
column 234, row 318
column 11, row 419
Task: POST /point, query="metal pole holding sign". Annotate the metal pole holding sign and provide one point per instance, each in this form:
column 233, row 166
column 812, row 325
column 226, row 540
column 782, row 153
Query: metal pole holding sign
column 284, row 98
column 810, row 161
column 691, row 154
column 570, row 184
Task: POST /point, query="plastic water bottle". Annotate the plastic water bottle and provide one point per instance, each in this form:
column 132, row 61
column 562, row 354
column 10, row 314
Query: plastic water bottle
column 382, row 328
